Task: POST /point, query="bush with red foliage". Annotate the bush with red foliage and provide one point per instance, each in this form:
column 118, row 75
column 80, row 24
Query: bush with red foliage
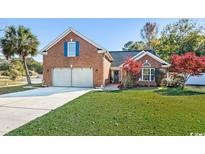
column 188, row 65
column 132, row 66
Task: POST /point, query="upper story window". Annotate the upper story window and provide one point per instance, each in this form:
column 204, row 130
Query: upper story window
column 71, row 49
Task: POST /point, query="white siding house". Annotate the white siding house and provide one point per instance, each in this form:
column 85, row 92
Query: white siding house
column 196, row 80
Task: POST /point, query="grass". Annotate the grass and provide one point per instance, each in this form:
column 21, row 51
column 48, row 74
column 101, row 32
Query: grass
column 4, row 81
column 10, row 89
column 128, row 112
column 180, row 92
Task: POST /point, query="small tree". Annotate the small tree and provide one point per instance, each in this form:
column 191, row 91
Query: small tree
column 133, row 68
column 187, row 65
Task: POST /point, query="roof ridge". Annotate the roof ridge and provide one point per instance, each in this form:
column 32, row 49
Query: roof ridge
column 127, row 51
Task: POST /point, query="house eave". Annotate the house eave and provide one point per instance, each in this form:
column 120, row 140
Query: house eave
column 115, row 68
column 166, row 66
column 143, row 53
column 106, row 53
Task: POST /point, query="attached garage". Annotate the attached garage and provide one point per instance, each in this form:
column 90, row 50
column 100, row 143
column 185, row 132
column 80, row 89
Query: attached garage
column 72, row 77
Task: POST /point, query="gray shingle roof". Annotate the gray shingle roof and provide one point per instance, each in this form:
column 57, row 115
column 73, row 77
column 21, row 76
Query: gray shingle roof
column 120, row 56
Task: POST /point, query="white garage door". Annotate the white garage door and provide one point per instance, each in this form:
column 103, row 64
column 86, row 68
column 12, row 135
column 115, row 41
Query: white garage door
column 82, row 77
column 75, row 77
column 61, row 77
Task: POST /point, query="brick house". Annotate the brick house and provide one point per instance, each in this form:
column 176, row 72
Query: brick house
column 74, row 60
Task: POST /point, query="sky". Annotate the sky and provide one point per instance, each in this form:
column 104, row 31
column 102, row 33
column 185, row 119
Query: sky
column 110, row 33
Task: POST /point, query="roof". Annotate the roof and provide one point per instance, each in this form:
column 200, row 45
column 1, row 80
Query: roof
column 119, row 57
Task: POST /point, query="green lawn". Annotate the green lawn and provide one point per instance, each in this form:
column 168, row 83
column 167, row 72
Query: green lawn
column 10, row 89
column 128, row 112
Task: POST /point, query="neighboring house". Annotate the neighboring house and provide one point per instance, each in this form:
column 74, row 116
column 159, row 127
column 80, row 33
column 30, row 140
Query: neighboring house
column 150, row 62
column 74, row 60
column 198, row 80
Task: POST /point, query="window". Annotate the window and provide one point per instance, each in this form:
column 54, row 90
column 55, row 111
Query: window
column 71, row 49
column 146, row 64
column 148, row 74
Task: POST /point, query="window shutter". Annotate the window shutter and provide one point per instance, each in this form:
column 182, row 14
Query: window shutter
column 77, row 48
column 65, row 49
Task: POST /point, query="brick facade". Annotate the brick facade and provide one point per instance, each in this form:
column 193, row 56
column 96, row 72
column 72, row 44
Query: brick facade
column 154, row 64
column 106, row 70
column 88, row 57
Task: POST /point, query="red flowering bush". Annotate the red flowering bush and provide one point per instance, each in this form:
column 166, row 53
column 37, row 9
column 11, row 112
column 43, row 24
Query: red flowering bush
column 187, row 65
column 133, row 68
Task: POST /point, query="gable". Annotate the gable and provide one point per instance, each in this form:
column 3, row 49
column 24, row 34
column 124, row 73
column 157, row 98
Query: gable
column 152, row 56
column 58, row 49
column 56, row 40
column 120, row 57
column 153, row 62
column 99, row 48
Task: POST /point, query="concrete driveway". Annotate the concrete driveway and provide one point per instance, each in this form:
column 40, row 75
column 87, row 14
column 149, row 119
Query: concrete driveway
column 17, row 109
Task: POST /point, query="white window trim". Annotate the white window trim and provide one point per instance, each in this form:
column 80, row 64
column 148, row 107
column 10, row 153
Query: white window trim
column 142, row 72
column 68, row 49
column 146, row 62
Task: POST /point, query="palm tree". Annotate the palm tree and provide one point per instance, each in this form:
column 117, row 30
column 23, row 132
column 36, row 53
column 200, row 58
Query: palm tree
column 8, row 43
column 20, row 41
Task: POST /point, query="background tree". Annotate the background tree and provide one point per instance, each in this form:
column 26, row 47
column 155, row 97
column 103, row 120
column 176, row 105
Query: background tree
column 34, row 65
column 181, row 37
column 149, row 33
column 138, row 45
column 187, row 65
column 22, row 42
column 11, row 69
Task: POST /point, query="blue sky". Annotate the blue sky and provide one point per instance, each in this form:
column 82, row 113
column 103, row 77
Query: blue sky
column 112, row 34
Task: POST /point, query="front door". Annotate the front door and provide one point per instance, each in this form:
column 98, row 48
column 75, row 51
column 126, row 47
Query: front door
column 116, row 76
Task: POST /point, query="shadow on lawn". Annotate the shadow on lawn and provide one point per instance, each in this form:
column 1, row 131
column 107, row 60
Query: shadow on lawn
column 177, row 92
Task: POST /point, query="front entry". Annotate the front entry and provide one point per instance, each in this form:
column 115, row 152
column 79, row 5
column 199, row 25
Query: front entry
column 116, row 76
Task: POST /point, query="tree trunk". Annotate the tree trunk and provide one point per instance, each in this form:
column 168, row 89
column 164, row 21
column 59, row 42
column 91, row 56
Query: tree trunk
column 186, row 77
column 26, row 71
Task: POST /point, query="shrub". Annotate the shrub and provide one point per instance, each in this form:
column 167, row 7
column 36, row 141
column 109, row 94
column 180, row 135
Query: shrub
column 127, row 83
column 159, row 75
column 4, row 66
column 175, row 81
column 12, row 73
column 10, row 69
column 145, row 84
column 164, row 82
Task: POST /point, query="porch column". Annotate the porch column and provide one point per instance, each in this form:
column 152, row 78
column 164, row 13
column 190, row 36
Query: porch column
column 121, row 73
column 112, row 76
